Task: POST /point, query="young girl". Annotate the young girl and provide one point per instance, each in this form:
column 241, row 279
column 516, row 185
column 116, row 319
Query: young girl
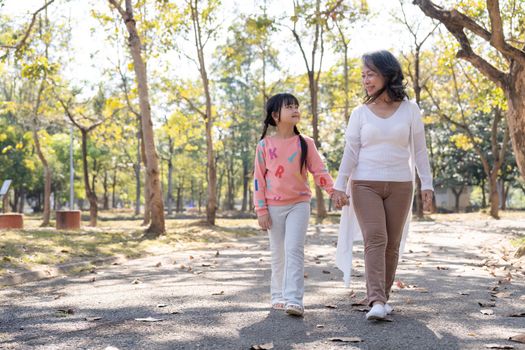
column 385, row 144
column 282, row 197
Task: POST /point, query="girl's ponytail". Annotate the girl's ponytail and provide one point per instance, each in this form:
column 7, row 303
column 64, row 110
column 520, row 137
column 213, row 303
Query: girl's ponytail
column 304, row 148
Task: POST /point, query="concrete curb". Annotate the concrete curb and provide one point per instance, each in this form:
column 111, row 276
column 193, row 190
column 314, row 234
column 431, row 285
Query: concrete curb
column 55, row 271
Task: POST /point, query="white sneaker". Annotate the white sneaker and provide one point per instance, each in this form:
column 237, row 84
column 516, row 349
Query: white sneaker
column 377, row 312
column 388, row 309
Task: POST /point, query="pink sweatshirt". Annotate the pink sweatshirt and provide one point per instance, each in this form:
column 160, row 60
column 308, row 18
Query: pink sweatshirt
column 278, row 179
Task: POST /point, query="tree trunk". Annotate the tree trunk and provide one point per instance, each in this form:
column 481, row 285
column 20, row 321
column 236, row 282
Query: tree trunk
column 483, row 194
column 457, row 195
column 157, row 226
column 105, row 185
column 147, row 197
column 516, row 113
column 245, row 181
column 90, row 195
column 136, row 167
column 505, row 196
column 47, row 180
column 494, row 196
column 321, row 208
column 169, row 197
column 113, row 187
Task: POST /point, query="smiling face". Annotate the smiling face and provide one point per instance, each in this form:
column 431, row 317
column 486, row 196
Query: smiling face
column 372, row 80
column 289, row 114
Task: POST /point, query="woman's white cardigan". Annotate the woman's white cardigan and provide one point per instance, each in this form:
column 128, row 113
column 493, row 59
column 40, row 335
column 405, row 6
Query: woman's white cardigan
column 349, row 230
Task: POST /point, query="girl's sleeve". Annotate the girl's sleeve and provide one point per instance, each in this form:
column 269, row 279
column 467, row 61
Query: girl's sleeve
column 318, row 169
column 421, row 153
column 259, row 181
column 351, row 152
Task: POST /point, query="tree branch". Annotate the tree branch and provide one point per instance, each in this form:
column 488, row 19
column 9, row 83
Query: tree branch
column 456, row 22
column 22, row 42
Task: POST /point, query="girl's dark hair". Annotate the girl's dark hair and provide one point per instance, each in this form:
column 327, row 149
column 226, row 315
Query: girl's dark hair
column 384, row 63
column 274, row 105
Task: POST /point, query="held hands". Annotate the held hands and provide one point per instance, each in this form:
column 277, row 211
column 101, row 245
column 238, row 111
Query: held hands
column 426, row 195
column 340, row 199
column 265, row 221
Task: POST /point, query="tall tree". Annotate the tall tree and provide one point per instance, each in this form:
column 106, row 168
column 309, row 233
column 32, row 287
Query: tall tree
column 314, row 19
column 508, row 75
column 157, row 225
column 419, row 37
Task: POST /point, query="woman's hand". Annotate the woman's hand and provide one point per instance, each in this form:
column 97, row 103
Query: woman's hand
column 265, row 221
column 340, row 199
column 427, row 200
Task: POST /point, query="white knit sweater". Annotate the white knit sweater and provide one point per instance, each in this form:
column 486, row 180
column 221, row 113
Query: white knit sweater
column 378, row 149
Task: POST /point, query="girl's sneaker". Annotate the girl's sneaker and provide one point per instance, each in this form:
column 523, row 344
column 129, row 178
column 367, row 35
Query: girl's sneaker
column 377, row 312
column 278, row 306
column 294, row 310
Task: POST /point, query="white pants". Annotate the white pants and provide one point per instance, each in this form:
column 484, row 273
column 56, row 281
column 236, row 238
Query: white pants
column 287, row 237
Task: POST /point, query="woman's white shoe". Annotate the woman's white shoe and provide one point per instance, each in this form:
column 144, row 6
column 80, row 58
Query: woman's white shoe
column 377, row 312
column 388, row 309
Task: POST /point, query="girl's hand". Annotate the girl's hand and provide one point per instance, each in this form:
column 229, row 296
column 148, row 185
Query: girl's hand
column 340, row 199
column 427, row 200
column 265, row 221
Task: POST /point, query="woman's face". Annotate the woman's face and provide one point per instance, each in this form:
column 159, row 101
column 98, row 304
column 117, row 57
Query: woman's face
column 372, row 81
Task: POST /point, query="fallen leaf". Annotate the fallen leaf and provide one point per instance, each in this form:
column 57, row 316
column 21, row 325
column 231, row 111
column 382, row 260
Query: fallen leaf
column 361, row 309
column 265, row 346
column 400, row 284
column 442, row 268
column 219, row 293
column 136, row 281
column 331, row 306
column 305, row 275
column 464, row 293
column 472, row 334
column 205, row 265
column 159, row 264
column 518, row 314
column 486, row 312
column 352, row 294
column 148, row 319
column 520, row 338
column 421, row 290
column 326, row 272
column 347, row 339
column 498, row 346
column 319, row 326
column 162, row 305
column 487, row 304
column 93, row 318
column 64, row 312
column 191, row 257
column 182, row 266
column 503, row 295
column 361, row 302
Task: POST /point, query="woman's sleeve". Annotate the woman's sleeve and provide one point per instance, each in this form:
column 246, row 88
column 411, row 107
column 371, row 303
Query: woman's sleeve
column 351, row 152
column 259, row 181
column 421, row 152
column 318, row 169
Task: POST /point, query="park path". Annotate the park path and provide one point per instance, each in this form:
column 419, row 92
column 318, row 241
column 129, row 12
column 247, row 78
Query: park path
column 217, row 298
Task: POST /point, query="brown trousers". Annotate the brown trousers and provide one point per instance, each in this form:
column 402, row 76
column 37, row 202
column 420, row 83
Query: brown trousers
column 381, row 208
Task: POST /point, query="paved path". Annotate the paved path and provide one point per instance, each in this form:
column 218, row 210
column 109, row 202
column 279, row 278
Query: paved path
column 221, row 301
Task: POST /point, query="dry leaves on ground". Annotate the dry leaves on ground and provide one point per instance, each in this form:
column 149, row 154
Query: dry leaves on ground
column 266, row 346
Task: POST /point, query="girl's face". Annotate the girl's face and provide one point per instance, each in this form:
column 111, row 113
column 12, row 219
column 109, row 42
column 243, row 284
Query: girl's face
column 372, row 81
column 289, row 114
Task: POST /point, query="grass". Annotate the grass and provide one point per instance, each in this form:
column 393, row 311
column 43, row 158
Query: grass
column 34, row 247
